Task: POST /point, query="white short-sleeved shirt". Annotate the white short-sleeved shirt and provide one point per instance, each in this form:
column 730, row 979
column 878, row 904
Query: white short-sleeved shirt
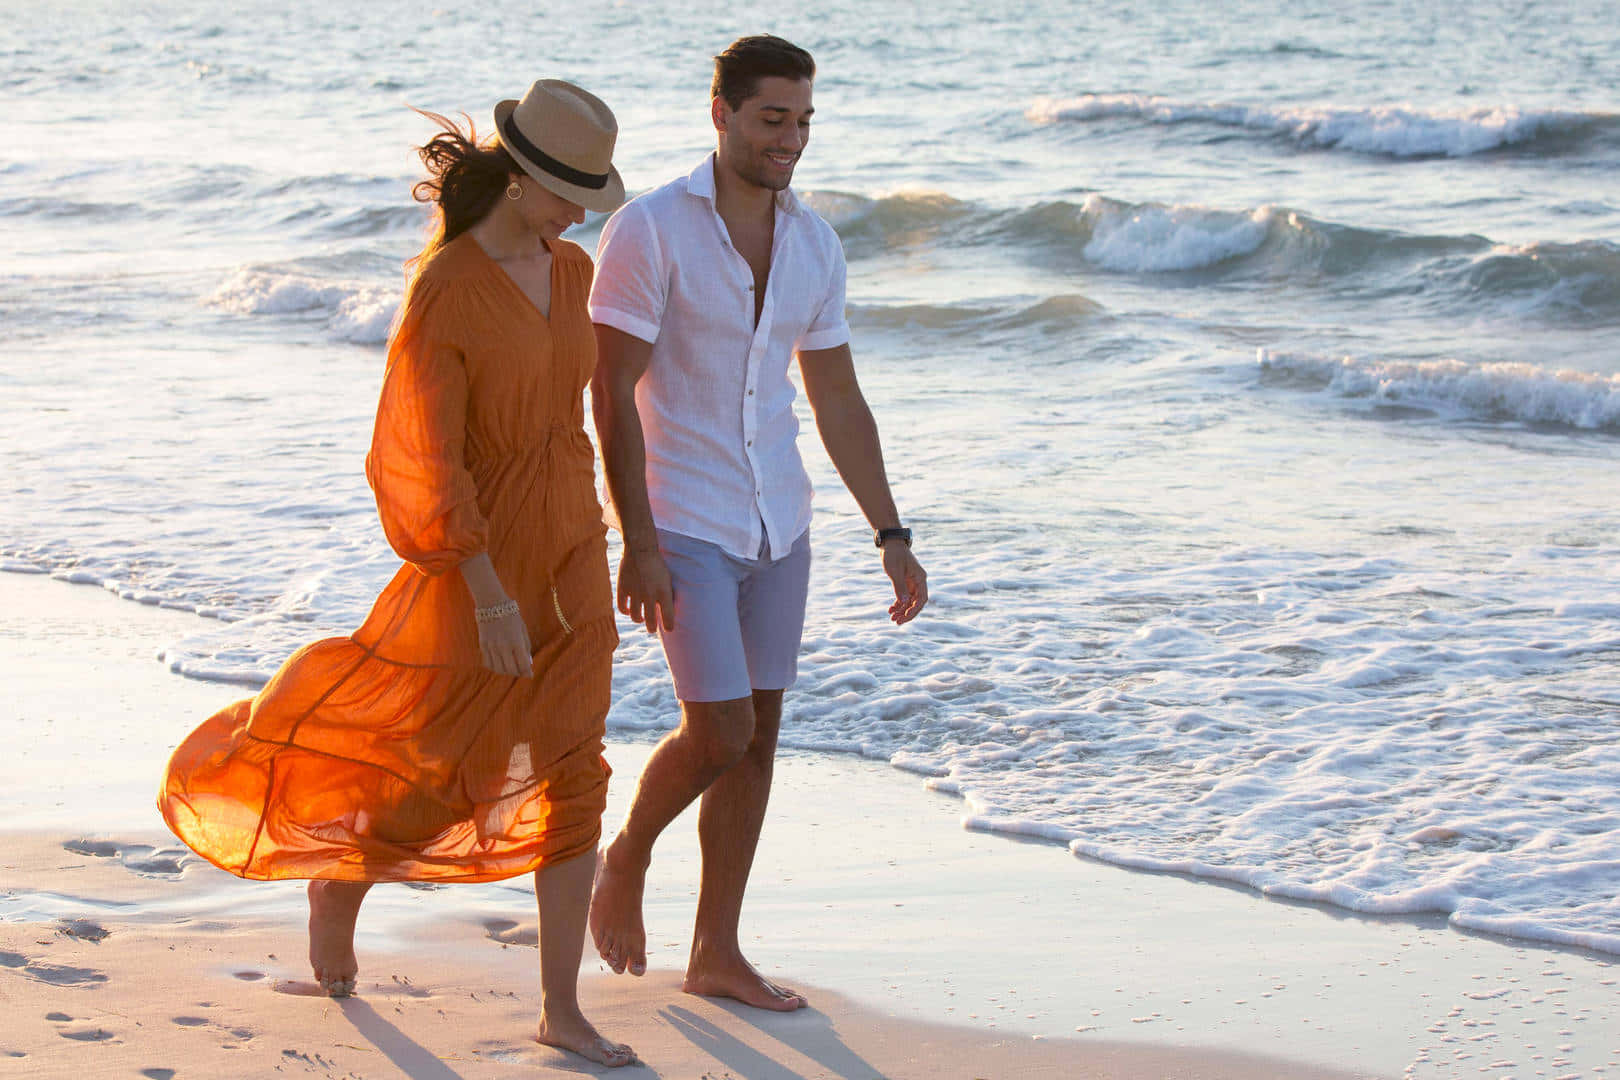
column 716, row 403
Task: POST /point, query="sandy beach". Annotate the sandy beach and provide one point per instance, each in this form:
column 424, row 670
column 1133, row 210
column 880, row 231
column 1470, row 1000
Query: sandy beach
column 925, row 950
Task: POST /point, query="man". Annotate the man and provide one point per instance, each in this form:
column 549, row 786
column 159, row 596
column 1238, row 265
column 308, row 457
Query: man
column 705, row 288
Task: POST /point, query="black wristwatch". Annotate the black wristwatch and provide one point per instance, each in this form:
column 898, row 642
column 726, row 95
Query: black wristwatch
column 883, row 536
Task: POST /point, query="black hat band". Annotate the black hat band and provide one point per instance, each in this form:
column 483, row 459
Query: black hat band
column 514, row 139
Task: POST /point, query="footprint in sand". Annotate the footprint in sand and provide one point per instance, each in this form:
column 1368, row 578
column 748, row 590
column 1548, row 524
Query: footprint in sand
column 299, row 988
column 403, row 982
column 508, row 932
column 52, row 974
column 82, row 930
column 83, row 1034
column 158, row 1074
column 142, row 859
column 241, row 1033
column 248, row 976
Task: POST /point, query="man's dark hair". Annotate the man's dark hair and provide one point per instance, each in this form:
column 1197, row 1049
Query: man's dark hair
column 747, row 60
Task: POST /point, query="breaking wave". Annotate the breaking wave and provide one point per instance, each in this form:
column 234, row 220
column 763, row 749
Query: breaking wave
column 357, row 313
column 1498, row 392
column 1567, row 280
column 1401, row 131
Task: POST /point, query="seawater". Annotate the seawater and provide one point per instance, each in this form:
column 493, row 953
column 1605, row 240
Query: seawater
column 1249, row 377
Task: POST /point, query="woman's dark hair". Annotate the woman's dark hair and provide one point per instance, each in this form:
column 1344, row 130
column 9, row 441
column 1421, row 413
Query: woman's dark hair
column 464, row 180
column 747, row 60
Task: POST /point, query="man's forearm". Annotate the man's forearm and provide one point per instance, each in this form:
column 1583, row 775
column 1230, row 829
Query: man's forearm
column 850, row 435
column 624, row 460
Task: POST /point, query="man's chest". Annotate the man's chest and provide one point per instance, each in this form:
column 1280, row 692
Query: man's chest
column 751, row 289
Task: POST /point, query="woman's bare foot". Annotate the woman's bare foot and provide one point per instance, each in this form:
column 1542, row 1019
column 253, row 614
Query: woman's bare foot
column 616, row 925
column 334, row 907
column 734, row 977
column 571, row 1031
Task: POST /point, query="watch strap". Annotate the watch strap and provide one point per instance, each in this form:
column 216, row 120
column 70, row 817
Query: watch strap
column 883, row 536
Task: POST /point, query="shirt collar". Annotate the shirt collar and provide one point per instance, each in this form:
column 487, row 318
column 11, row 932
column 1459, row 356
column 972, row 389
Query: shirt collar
column 700, row 182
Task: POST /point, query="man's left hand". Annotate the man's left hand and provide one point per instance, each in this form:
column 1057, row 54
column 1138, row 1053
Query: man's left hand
column 910, row 583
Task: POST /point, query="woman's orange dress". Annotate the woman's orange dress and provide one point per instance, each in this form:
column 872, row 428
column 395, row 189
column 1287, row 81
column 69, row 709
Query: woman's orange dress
column 393, row 754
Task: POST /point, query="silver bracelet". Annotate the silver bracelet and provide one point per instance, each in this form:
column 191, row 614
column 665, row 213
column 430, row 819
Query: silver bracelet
column 496, row 611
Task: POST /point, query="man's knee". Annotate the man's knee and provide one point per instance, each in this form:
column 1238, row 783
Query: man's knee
column 767, row 720
column 721, row 731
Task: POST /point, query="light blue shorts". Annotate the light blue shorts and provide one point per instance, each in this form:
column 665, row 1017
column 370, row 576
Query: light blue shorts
column 737, row 621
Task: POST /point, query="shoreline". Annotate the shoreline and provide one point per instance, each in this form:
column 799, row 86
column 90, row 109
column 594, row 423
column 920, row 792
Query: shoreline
column 863, row 885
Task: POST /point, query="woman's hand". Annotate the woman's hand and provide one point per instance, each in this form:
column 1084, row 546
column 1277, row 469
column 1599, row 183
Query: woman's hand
column 503, row 641
column 505, row 645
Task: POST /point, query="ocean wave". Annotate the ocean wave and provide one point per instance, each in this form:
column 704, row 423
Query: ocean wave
column 905, row 218
column 379, row 221
column 1119, row 235
column 1107, row 233
column 361, row 314
column 1513, row 392
column 1127, row 237
column 1467, row 273
column 1147, row 239
column 74, row 209
column 1401, row 131
column 1050, row 314
column 917, row 316
column 1581, row 278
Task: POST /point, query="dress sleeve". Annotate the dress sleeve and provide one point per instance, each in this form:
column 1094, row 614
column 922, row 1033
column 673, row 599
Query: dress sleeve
column 425, row 495
column 629, row 291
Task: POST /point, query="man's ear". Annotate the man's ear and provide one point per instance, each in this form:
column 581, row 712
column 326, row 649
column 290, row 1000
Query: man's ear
column 717, row 113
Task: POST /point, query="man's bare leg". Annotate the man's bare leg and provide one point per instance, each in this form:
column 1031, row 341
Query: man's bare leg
column 563, row 893
column 713, row 736
column 729, row 822
column 334, row 907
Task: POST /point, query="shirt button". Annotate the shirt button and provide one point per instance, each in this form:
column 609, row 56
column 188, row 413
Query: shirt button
column 750, row 442
column 750, row 393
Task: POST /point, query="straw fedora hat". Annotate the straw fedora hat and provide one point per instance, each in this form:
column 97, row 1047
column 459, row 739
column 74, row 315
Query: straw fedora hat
column 563, row 137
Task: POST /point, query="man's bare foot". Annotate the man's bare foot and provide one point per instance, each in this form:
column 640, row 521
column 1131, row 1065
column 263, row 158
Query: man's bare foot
column 735, row 977
column 616, row 925
column 334, row 906
column 571, row 1031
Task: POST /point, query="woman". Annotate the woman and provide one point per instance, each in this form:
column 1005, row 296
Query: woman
column 457, row 735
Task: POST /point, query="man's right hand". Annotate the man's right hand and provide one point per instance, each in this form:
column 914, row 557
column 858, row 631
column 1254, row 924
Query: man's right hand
column 645, row 592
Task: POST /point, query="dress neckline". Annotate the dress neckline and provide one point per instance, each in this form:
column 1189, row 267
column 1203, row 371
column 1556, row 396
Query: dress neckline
column 551, row 285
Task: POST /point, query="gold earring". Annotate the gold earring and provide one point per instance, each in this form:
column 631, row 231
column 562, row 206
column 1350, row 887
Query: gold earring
column 514, row 191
